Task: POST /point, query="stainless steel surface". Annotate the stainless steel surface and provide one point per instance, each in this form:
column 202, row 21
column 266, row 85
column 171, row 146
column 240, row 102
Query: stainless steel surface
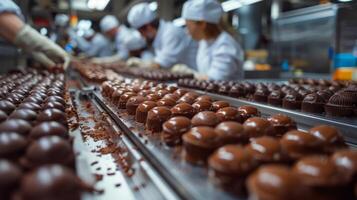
column 304, row 36
column 189, row 181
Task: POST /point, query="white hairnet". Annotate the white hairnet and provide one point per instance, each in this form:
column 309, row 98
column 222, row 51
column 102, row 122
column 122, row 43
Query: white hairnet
column 140, row 14
column 108, row 22
column 202, row 10
column 134, row 41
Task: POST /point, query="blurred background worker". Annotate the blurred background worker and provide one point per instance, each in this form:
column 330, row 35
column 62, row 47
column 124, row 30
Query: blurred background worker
column 137, row 47
column 93, row 44
column 111, row 28
column 22, row 35
column 219, row 56
column 171, row 44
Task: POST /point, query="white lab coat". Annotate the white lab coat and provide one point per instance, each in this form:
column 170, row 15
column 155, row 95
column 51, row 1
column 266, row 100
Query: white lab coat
column 10, row 6
column 220, row 59
column 121, row 50
column 99, row 46
column 173, row 45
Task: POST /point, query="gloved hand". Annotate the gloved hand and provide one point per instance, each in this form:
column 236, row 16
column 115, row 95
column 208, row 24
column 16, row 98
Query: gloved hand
column 32, row 41
column 43, row 59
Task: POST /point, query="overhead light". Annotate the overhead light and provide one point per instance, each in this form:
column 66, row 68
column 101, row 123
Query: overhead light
column 97, row 4
column 43, row 31
column 153, row 6
column 345, row 0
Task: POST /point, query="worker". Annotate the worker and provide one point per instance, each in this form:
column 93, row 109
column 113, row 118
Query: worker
column 172, row 45
column 116, row 33
column 93, row 44
column 13, row 29
column 137, row 46
column 219, row 56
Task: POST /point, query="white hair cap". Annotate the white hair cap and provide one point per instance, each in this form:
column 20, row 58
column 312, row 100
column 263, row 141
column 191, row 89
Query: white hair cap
column 108, row 22
column 140, row 14
column 134, row 41
column 202, row 10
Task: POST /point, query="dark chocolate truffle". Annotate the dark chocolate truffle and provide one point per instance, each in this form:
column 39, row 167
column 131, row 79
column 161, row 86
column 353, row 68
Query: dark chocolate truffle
column 231, row 133
column 48, row 128
column 275, row 182
column 276, row 98
column 156, row 117
column 168, row 102
column 173, row 129
column 329, row 136
column 261, row 95
column 133, row 103
column 55, row 98
column 204, row 97
column 12, row 145
column 292, row 100
column 142, row 111
column 346, row 162
column 124, row 99
column 313, row 103
column 7, row 106
column 202, row 105
column 247, row 112
column 218, row 105
column 257, row 126
column 180, row 92
column 183, row 109
column 228, row 114
column 25, row 114
column 265, row 149
column 49, row 150
column 205, row 118
column 340, row 104
column 53, row 104
column 59, row 183
column 153, row 97
column 229, row 166
column 3, row 116
column 237, row 90
column 282, row 124
column 52, row 114
column 30, row 105
column 10, row 179
column 15, row 125
column 186, row 99
column 199, row 143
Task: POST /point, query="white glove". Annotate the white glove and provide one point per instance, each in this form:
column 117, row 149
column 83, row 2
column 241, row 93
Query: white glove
column 43, row 59
column 30, row 40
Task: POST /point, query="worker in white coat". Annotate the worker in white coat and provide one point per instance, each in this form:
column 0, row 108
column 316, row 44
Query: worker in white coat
column 116, row 33
column 137, row 46
column 172, row 45
column 93, row 44
column 13, row 29
column 219, row 56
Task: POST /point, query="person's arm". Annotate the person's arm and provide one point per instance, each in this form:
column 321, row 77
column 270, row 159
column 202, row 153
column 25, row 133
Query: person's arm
column 10, row 25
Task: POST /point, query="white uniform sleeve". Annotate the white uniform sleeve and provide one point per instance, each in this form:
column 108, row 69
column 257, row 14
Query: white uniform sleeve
column 10, row 6
column 174, row 44
column 225, row 64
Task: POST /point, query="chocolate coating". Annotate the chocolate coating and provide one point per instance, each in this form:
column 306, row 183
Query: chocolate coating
column 173, row 129
column 49, row 150
column 54, row 104
column 60, row 183
column 218, row 105
column 143, row 109
column 133, row 103
column 7, row 106
column 247, row 112
column 282, row 124
column 30, row 105
column 15, row 125
column 346, row 162
column 183, row 109
column 228, row 114
column 168, row 102
column 265, row 149
column 256, row 127
column 12, row 145
column 204, row 97
column 231, row 133
column 330, row 137
column 205, row 118
column 3, row 116
column 52, row 114
column 25, row 114
column 202, row 105
column 156, row 117
column 55, row 98
column 10, row 178
column 48, row 128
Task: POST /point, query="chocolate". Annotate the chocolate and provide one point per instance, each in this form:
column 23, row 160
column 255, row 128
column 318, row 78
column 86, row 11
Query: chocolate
column 218, row 105
column 162, row 93
column 204, row 98
column 115, row 96
column 133, row 103
column 12, row 145
column 180, row 92
column 346, row 162
column 224, row 89
column 212, row 87
column 297, row 144
column 202, row 105
column 205, row 118
column 168, row 102
column 173, row 129
column 183, row 109
column 156, row 117
column 61, row 183
column 30, row 105
column 25, row 114
column 186, row 99
column 7, row 106
column 229, row 166
column 231, row 133
column 48, row 150
column 261, row 95
column 237, row 90
column 52, row 114
column 330, row 137
column 153, row 97
column 281, row 184
column 265, row 149
column 3, row 116
column 313, row 103
column 124, row 99
column 292, row 100
column 247, row 112
column 48, row 128
column 256, row 127
column 228, row 114
column 175, row 97
column 15, row 125
column 55, row 98
column 199, row 143
column 54, row 104
column 340, row 104
column 11, row 176
column 143, row 109
column 276, row 98
column 282, row 124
